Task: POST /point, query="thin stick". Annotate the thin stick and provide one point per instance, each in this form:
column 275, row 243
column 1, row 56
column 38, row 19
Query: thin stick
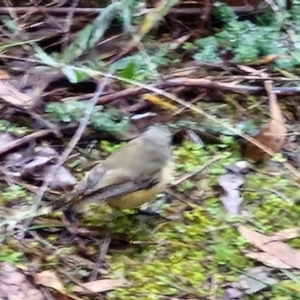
column 24, row 140
column 51, row 174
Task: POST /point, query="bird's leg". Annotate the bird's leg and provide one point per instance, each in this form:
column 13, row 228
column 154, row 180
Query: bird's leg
column 146, row 212
column 70, row 215
column 71, row 221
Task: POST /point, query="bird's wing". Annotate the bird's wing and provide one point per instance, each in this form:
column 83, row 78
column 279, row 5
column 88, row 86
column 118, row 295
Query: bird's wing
column 117, row 179
column 138, row 159
column 137, row 166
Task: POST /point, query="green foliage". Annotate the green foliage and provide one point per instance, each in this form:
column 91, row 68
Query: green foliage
column 247, row 41
column 13, row 192
column 223, row 13
column 295, row 12
column 109, row 147
column 92, row 33
column 204, row 244
column 186, row 185
column 201, row 245
column 66, row 112
column 10, row 128
column 74, row 75
column 10, row 256
column 137, row 67
column 208, row 50
column 74, row 110
column 142, row 66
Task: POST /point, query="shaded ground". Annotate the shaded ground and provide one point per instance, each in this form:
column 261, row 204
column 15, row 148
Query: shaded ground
column 207, row 82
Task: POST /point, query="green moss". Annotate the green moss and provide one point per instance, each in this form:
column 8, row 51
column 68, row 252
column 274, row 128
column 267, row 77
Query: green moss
column 177, row 256
column 203, row 244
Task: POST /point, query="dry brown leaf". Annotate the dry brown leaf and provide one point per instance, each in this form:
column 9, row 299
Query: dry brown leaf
column 272, row 135
column 285, row 234
column 26, row 91
column 15, row 286
column 159, row 102
column 12, row 95
column 103, row 285
column 49, row 279
column 267, row 259
column 280, row 250
column 151, row 19
column 266, row 59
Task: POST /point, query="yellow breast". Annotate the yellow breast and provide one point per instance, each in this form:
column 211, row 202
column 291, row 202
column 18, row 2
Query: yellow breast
column 138, row 198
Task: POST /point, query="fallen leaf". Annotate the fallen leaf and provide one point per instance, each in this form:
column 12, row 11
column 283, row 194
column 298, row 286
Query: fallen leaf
column 272, row 135
column 267, row 259
column 26, row 91
column 153, row 16
column 231, row 198
column 232, row 293
column 12, row 95
column 64, row 179
column 159, row 102
column 266, row 59
column 49, row 279
column 254, row 281
column 286, row 234
column 101, row 285
column 278, row 249
column 15, row 286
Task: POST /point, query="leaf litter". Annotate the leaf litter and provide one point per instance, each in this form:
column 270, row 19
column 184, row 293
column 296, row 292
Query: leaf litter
column 150, row 81
column 231, row 182
column 281, row 252
column 14, row 285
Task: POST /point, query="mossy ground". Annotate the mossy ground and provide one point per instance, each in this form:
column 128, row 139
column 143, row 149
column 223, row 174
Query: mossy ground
column 195, row 251
column 193, row 248
column 200, row 252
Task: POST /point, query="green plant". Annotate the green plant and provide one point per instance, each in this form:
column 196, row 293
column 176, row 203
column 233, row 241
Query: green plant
column 71, row 111
column 248, row 40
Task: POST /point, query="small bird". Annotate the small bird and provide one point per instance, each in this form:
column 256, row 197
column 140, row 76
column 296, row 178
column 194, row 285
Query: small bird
column 133, row 175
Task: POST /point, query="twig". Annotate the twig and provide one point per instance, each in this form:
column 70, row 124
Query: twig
column 103, row 249
column 51, row 126
column 51, row 174
column 254, row 77
column 274, row 7
column 12, row 13
column 82, row 10
column 201, row 83
column 195, row 172
column 198, row 110
column 68, row 22
column 210, row 84
column 49, row 18
column 23, row 140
